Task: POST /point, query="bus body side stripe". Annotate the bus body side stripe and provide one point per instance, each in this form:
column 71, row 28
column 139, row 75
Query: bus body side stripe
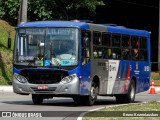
column 127, row 80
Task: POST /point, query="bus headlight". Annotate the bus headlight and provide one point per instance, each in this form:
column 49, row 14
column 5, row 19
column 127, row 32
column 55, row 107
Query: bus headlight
column 68, row 79
column 20, row 78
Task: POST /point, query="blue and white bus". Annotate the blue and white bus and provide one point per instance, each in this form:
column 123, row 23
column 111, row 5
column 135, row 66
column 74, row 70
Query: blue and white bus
column 80, row 60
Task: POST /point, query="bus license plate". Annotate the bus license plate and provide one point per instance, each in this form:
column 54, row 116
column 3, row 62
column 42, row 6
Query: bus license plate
column 43, row 87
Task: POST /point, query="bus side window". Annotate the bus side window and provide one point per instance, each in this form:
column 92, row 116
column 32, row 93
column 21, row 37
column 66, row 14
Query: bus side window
column 86, row 37
column 97, row 42
column 96, row 38
column 116, row 40
column 125, row 41
column 143, row 49
column 134, row 41
column 106, row 39
column 116, row 51
column 135, row 48
column 106, row 46
column 126, row 47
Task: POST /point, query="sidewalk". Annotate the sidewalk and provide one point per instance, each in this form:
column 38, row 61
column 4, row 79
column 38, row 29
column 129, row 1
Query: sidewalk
column 10, row 89
column 157, row 89
column 6, row 89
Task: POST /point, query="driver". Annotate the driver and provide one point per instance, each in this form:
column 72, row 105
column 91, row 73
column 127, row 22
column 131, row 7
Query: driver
column 67, row 47
column 67, row 50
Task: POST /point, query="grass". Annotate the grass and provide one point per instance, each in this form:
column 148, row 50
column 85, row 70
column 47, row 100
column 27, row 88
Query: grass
column 151, row 107
column 156, row 78
column 6, row 53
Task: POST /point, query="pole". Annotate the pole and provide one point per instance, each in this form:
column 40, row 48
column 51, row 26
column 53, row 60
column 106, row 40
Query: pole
column 24, row 10
column 159, row 40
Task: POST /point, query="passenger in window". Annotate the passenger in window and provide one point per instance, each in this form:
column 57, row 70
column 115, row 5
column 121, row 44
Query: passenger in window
column 67, row 47
column 135, row 54
column 118, row 56
column 109, row 53
column 100, row 54
column 114, row 56
column 126, row 54
column 95, row 54
column 106, row 53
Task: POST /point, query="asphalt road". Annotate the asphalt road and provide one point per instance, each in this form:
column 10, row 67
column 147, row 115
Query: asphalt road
column 64, row 108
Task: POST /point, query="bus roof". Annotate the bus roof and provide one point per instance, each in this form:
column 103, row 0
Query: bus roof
column 123, row 30
column 87, row 26
column 55, row 24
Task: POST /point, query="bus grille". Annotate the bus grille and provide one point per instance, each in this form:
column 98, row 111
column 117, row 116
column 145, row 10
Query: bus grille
column 44, row 77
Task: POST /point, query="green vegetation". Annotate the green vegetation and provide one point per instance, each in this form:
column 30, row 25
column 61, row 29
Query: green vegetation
column 156, row 78
column 6, row 53
column 151, row 106
column 50, row 9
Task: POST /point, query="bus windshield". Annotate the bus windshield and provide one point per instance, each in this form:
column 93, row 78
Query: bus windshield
column 46, row 46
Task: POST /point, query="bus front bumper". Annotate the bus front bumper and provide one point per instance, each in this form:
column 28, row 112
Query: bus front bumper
column 71, row 88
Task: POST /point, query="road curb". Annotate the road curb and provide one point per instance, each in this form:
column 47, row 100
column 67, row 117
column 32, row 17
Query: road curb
column 6, row 89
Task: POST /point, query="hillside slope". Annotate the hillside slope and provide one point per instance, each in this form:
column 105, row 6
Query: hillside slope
column 6, row 53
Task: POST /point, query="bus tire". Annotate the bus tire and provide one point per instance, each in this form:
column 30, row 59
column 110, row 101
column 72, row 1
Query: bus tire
column 130, row 96
column 90, row 99
column 78, row 100
column 37, row 99
column 120, row 99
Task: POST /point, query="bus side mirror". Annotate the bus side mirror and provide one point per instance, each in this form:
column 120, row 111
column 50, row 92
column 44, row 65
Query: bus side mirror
column 9, row 42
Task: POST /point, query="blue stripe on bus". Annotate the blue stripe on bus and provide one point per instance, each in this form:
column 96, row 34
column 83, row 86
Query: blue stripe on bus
column 16, row 70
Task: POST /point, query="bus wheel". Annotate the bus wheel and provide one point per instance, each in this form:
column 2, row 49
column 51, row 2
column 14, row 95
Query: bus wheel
column 120, row 99
column 93, row 95
column 37, row 99
column 78, row 100
column 130, row 96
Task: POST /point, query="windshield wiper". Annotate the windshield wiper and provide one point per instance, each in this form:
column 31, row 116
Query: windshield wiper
column 58, row 65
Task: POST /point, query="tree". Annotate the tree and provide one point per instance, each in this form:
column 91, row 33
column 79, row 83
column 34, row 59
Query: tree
column 9, row 10
column 62, row 9
column 50, row 9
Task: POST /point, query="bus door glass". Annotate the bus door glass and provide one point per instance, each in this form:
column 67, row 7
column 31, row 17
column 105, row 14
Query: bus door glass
column 85, row 42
